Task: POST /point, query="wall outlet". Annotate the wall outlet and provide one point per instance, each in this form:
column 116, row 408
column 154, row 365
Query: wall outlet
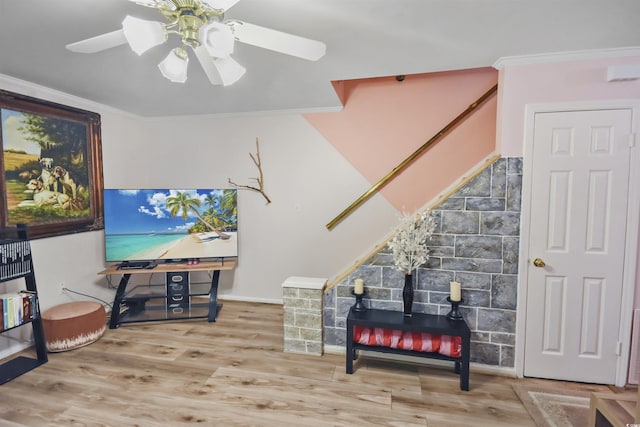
column 61, row 289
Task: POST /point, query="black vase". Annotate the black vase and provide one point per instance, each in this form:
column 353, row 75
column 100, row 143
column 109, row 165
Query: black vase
column 407, row 294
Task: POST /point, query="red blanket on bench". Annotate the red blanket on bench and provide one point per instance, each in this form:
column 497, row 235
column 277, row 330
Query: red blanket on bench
column 416, row 341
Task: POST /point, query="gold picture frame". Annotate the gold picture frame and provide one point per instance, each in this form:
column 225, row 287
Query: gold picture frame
column 51, row 167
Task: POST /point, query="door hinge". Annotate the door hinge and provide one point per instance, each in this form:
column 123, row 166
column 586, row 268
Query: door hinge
column 618, row 348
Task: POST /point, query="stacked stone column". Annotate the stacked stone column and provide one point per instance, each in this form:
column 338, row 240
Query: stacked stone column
column 303, row 322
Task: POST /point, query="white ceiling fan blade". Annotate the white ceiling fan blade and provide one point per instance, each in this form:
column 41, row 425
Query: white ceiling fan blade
column 223, row 5
column 208, row 66
column 99, row 43
column 277, row 40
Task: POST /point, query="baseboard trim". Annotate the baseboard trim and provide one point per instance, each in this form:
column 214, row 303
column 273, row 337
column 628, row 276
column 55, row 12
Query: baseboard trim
column 250, row 299
column 15, row 349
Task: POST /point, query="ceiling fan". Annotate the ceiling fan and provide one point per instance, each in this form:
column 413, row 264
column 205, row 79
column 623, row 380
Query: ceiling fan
column 202, row 27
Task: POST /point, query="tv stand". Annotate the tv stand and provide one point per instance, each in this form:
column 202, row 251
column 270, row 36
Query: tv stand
column 149, row 303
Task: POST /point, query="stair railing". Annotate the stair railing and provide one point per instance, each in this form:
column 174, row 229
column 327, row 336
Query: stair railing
column 406, row 162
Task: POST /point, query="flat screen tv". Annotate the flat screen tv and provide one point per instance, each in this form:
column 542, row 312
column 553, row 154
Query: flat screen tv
column 170, row 224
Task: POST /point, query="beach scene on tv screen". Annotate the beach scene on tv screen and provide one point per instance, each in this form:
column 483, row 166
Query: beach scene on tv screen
column 170, row 224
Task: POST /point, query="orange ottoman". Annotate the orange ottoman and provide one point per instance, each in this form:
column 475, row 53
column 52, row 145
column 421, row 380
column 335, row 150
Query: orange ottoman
column 73, row 324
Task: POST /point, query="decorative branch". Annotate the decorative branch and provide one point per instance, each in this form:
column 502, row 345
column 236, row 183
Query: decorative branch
column 259, row 180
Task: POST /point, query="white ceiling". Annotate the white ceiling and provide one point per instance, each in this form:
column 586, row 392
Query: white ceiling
column 364, row 38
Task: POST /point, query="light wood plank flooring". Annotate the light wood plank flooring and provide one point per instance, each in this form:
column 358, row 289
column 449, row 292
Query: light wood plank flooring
column 234, row 373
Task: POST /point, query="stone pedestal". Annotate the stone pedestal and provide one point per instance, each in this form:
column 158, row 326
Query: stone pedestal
column 302, row 301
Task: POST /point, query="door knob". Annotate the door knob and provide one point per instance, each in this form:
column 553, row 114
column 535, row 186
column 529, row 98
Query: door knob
column 538, row 262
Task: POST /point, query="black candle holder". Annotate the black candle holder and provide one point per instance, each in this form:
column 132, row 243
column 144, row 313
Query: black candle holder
column 358, row 306
column 454, row 314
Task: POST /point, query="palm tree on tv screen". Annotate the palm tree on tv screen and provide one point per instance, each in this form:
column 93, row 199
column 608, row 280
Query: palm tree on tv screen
column 183, row 203
column 222, row 211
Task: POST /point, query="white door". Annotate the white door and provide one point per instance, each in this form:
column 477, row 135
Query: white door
column 579, row 199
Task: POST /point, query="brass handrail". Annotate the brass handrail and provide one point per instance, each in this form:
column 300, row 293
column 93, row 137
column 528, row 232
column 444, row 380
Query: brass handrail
column 395, row 171
column 433, row 205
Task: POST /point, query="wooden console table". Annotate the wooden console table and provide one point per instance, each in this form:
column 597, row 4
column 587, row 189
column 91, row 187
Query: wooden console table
column 614, row 409
column 148, row 303
column 418, row 322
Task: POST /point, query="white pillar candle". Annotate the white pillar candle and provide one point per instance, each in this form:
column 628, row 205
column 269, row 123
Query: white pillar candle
column 455, row 291
column 358, row 289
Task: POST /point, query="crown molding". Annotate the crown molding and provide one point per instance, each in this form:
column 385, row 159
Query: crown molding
column 34, row 90
column 580, row 55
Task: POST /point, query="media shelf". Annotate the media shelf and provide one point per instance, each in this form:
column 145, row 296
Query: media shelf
column 16, row 263
column 148, row 303
column 174, row 300
column 154, row 309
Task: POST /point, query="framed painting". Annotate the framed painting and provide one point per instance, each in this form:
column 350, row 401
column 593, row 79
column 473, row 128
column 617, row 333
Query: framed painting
column 50, row 168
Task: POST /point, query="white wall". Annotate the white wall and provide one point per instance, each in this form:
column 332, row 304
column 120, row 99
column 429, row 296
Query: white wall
column 308, row 182
column 71, row 260
column 306, row 179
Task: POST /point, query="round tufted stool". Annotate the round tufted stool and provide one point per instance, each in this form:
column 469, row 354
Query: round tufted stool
column 73, row 324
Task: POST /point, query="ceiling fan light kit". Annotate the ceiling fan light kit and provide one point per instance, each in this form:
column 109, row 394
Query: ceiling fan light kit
column 230, row 70
column 201, row 26
column 142, row 35
column 174, row 66
column 217, row 39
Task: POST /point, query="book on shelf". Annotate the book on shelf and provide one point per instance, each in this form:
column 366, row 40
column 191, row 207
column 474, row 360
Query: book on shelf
column 17, row 308
column 15, row 259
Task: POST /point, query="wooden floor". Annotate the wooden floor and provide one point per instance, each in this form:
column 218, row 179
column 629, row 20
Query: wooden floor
column 234, row 372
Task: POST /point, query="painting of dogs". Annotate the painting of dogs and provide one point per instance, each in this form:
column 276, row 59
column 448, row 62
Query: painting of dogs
column 47, row 178
column 62, row 176
column 42, row 197
column 51, row 169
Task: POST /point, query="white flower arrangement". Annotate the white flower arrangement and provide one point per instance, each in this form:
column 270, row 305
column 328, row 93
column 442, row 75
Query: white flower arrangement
column 408, row 245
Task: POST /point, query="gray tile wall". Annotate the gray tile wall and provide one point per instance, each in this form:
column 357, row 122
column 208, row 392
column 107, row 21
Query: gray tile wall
column 476, row 243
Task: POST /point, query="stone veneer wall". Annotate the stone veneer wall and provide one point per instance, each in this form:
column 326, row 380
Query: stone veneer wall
column 302, row 304
column 476, row 243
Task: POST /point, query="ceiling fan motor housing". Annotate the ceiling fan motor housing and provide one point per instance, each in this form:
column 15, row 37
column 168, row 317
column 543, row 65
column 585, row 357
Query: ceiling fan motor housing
column 190, row 15
column 189, row 25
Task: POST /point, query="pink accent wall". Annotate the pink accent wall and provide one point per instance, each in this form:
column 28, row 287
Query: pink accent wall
column 554, row 82
column 384, row 121
column 560, row 82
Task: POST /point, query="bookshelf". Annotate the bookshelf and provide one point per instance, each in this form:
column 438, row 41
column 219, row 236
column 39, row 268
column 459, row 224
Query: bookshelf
column 16, row 263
